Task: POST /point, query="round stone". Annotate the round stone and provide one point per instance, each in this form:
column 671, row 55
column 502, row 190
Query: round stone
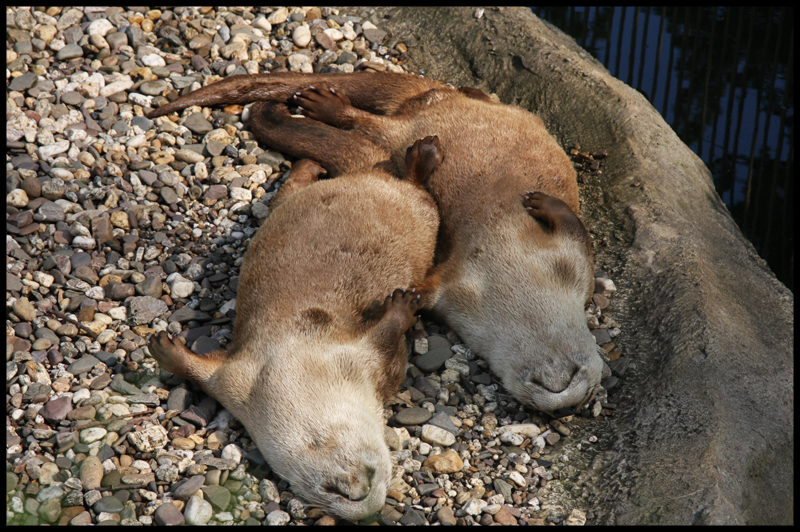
column 198, row 511
column 301, row 36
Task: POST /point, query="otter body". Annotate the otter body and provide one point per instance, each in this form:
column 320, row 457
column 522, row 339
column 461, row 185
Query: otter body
column 318, row 345
column 514, row 262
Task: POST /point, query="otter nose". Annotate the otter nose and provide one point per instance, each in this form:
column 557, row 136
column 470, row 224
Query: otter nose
column 353, row 489
column 563, row 395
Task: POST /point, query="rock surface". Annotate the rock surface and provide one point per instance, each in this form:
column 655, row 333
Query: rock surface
column 708, row 425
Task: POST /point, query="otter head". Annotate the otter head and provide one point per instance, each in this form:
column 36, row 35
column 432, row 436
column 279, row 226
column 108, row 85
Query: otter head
column 549, row 357
column 522, row 309
column 315, row 416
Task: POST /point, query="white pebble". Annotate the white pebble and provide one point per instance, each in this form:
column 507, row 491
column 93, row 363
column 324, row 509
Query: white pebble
column 517, row 479
column 115, row 87
column 278, row 16
column 106, row 336
column 153, row 60
column 136, row 141
column 528, row 430
column 240, row 194
column 278, row 518
column 118, row 313
column 474, row 506
column 263, row 24
column 93, row 434
column 198, row 511
column 180, row 287
column 96, row 292
column 433, row 434
column 51, row 150
column 100, row 26
column 334, row 34
column 44, row 279
column 232, row 452
column 80, row 395
column 301, row 36
column 17, row 198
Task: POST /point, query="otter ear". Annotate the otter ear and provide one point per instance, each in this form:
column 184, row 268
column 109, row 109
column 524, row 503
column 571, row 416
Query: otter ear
column 176, row 358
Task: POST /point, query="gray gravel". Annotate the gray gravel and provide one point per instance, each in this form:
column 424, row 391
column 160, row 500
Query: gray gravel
column 119, row 227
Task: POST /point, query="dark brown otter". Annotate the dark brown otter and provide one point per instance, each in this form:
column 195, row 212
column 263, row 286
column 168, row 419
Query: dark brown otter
column 514, row 262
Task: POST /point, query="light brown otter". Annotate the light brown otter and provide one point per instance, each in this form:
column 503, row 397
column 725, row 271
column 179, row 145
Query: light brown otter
column 318, row 345
column 514, row 261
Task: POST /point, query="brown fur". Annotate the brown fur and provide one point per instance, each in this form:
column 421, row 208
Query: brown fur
column 507, row 260
column 308, row 372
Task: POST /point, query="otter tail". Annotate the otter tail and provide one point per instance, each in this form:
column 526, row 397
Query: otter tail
column 378, row 92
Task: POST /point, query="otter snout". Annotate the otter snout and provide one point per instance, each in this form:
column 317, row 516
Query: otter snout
column 563, row 394
column 353, row 489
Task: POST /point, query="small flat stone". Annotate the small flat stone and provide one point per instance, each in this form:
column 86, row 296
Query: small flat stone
column 119, row 384
column 186, row 314
column 412, row 416
column 168, row 515
column 82, row 365
column 189, row 487
column 198, row 124
column 218, row 496
column 108, row 504
column 56, row 409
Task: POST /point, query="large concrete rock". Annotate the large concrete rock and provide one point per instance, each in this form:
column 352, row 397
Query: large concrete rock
column 704, row 433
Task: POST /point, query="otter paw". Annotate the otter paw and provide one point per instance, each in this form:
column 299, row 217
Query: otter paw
column 325, row 105
column 422, row 158
column 402, row 301
column 549, row 210
column 308, row 169
column 169, row 354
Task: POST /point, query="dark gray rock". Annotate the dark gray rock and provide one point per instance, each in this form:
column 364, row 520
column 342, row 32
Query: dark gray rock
column 198, row 124
column 83, row 364
column 180, row 399
column 687, row 281
column 23, row 82
column 189, row 487
column 108, row 504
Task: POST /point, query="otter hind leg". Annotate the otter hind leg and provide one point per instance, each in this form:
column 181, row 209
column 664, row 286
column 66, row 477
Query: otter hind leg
column 378, row 92
column 338, row 151
column 176, row 358
column 329, row 106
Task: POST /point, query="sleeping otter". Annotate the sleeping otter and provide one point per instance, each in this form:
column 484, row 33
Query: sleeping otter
column 318, row 344
column 514, row 262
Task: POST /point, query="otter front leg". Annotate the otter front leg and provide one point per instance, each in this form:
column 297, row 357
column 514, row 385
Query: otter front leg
column 422, row 158
column 176, row 358
column 305, row 172
column 336, row 150
column 556, row 216
column 387, row 337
